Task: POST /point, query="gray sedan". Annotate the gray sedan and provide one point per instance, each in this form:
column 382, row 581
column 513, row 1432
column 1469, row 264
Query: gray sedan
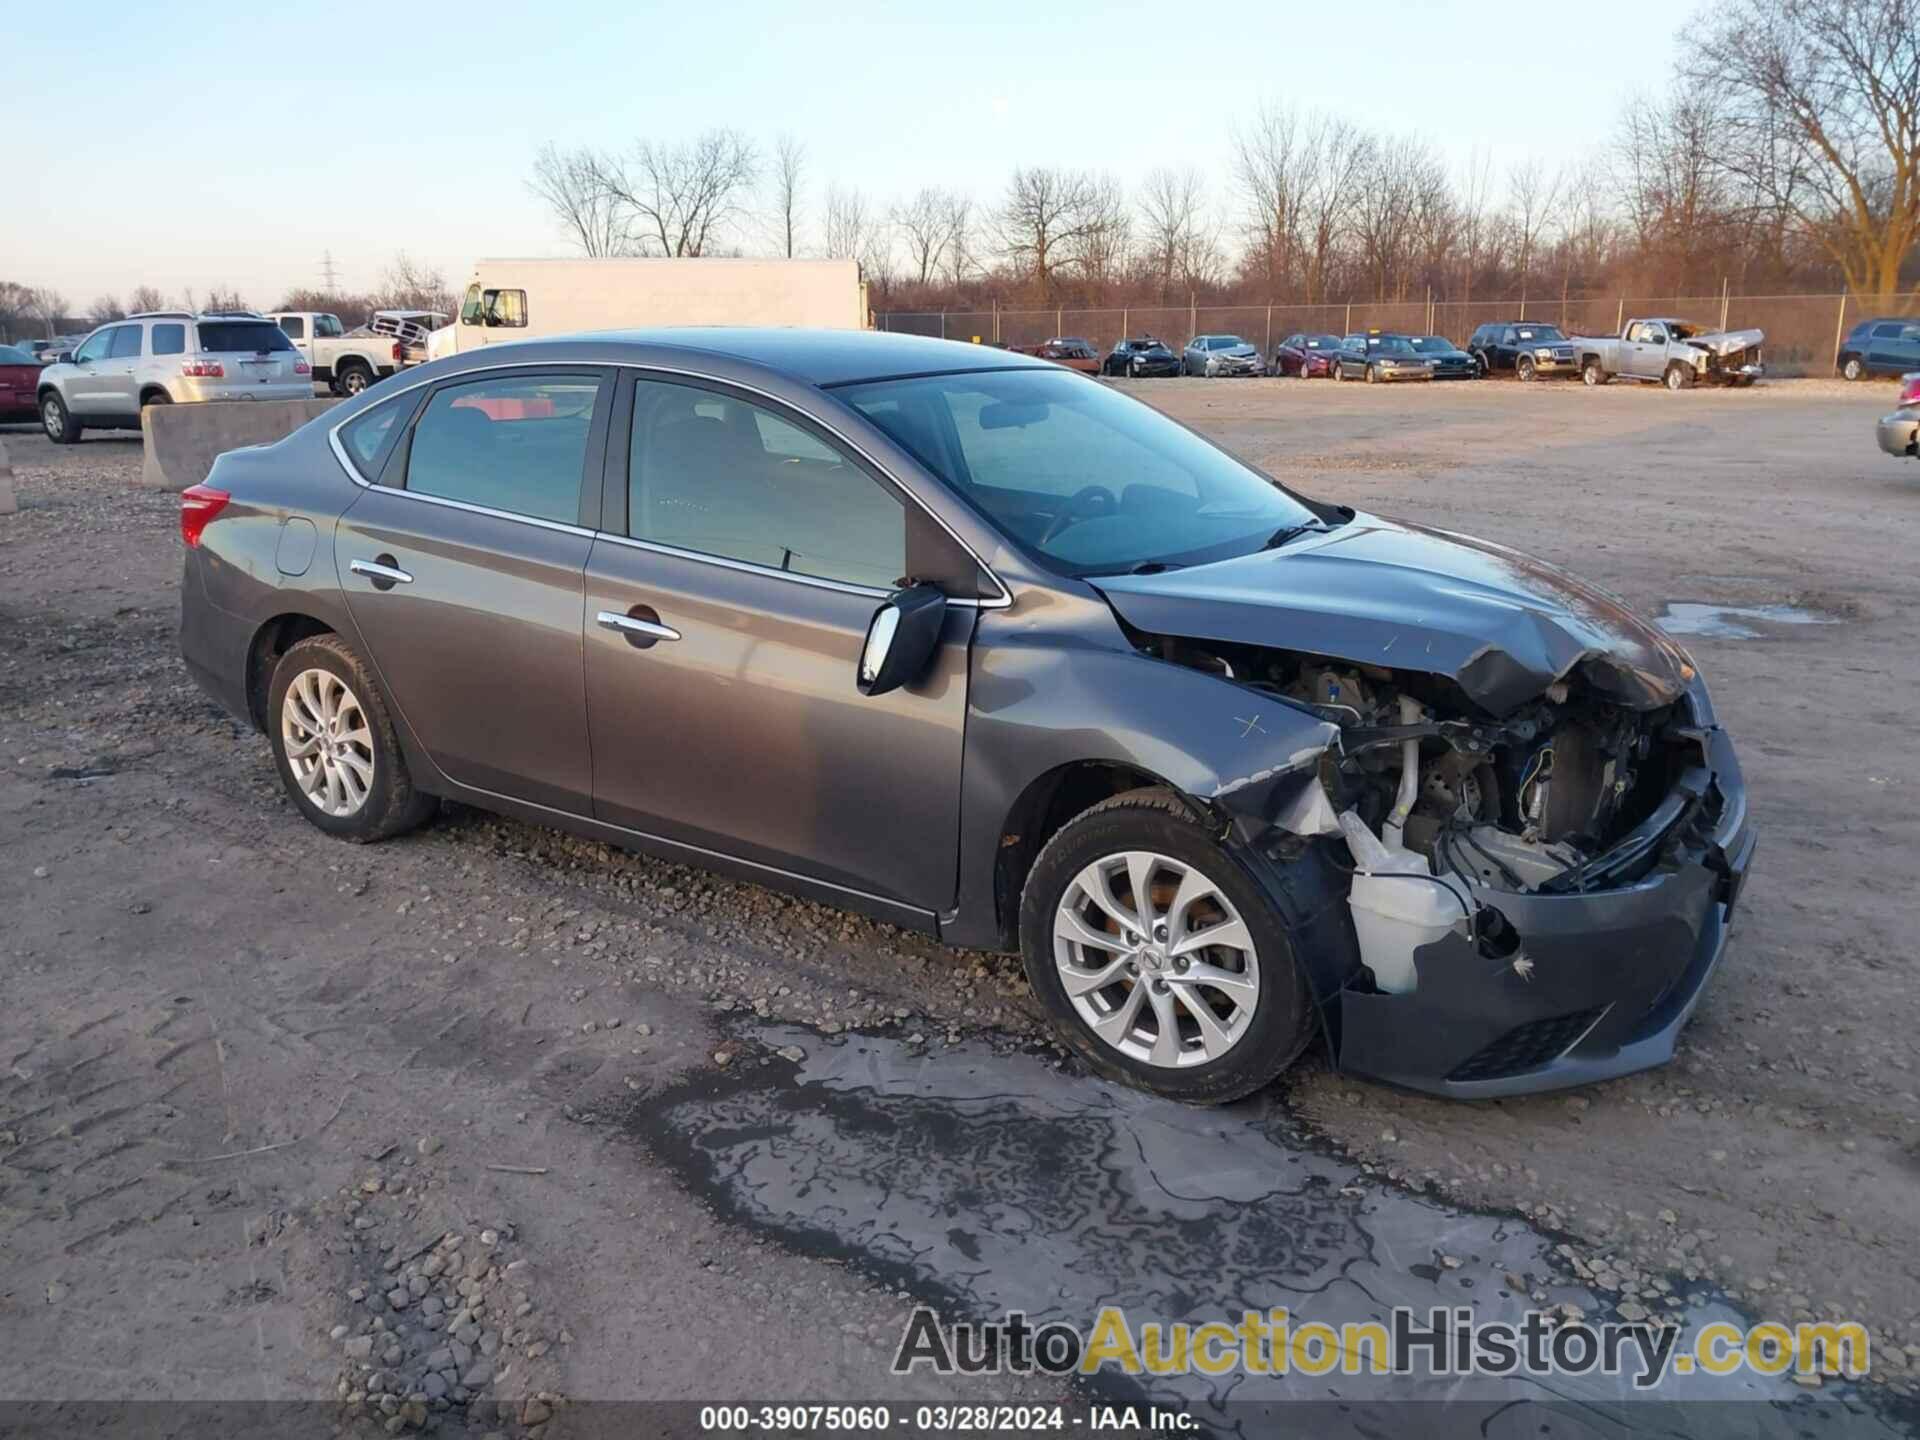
column 1212, row 355
column 971, row 643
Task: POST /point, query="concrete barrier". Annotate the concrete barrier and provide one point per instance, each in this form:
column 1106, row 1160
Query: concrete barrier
column 8, row 504
column 182, row 441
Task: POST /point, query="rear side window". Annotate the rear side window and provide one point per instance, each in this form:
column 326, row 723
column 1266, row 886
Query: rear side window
column 126, row 343
column 517, row 444
column 294, row 327
column 1887, row 332
column 228, row 337
column 369, row 437
column 170, row 339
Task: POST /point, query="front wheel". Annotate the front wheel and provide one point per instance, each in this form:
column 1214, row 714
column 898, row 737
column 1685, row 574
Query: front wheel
column 1593, row 374
column 1853, row 368
column 61, row 427
column 1335, row 372
column 1679, row 377
column 1158, row 956
column 335, row 747
column 1523, row 367
column 1371, row 377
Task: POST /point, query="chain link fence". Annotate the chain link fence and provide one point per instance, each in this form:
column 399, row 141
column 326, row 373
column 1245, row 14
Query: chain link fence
column 1803, row 331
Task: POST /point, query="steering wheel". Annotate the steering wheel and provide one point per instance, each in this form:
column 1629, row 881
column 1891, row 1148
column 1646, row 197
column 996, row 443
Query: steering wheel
column 1094, row 499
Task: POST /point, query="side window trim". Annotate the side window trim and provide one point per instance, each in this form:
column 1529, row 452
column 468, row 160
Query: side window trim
column 614, row 480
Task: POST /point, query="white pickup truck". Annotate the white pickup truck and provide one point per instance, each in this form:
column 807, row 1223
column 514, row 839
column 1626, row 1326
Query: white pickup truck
column 1674, row 353
column 346, row 364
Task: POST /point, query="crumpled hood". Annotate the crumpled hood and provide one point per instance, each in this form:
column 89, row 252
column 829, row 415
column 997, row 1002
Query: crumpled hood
column 1403, row 596
column 1727, row 342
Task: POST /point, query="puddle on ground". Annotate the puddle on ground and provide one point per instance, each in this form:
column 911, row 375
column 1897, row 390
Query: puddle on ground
column 992, row 1182
column 1734, row 622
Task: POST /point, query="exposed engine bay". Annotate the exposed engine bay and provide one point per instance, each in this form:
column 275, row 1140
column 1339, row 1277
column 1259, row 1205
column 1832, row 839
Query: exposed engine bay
column 1444, row 808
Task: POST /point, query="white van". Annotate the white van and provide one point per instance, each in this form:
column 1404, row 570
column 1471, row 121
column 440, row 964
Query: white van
column 521, row 299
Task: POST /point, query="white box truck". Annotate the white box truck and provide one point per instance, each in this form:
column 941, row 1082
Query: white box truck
column 521, row 299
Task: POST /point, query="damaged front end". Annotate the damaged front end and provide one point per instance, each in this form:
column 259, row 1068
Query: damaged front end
column 1533, row 898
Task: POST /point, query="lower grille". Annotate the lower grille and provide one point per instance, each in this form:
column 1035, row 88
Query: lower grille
column 1527, row 1047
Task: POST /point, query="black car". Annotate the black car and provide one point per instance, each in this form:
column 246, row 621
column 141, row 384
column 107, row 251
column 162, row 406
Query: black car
column 1449, row 361
column 1525, row 347
column 1139, row 357
column 1884, row 346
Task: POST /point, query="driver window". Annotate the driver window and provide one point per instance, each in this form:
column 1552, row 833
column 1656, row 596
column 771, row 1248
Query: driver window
column 720, row 476
column 95, row 348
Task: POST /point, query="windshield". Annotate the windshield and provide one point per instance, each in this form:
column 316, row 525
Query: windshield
column 227, row 337
column 1390, row 345
column 1432, row 342
column 1541, row 332
column 1091, row 481
column 10, row 355
column 325, row 325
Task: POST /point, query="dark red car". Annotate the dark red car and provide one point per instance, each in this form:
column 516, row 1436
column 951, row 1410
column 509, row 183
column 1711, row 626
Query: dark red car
column 19, row 379
column 1308, row 356
column 1067, row 350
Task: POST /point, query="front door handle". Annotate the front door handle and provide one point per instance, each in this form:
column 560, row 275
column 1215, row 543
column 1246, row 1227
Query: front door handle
column 382, row 572
column 640, row 630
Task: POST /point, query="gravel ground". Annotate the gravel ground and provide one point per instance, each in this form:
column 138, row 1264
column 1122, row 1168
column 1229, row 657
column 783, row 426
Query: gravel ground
column 273, row 1070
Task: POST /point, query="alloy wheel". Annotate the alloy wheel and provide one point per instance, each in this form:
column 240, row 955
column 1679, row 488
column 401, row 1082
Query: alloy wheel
column 1155, row 959
column 328, row 743
column 52, row 417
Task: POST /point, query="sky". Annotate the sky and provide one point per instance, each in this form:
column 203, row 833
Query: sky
column 238, row 144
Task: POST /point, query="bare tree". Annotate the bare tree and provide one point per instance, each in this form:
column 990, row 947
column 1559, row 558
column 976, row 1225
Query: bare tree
column 223, row 297
column 1101, row 248
column 106, row 309
column 572, row 185
column 1275, row 166
column 1531, row 194
column 927, row 224
column 1176, row 240
column 789, row 170
column 961, row 263
column 408, row 285
column 145, row 298
column 1397, row 181
column 1045, row 222
column 1819, row 106
column 683, row 198
column 47, row 307
column 849, row 225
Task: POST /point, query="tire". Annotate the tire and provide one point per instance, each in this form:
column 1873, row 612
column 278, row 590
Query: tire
column 353, row 378
column 1480, row 364
column 1678, row 377
column 1523, row 369
column 155, row 397
column 1853, row 368
column 57, row 421
column 1257, row 1035
column 388, row 803
column 1334, row 371
column 1593, row 374
column 1372, row 379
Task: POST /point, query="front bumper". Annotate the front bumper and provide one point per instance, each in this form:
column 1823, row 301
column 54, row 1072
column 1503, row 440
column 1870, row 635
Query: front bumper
column 1614, row 976
column 1390, row 377
column 1238, row 367
column 1156, row 370
column 1556, row 366
column 1896, row 432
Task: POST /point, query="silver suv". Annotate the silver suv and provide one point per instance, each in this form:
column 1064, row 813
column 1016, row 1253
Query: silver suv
column 163, row 357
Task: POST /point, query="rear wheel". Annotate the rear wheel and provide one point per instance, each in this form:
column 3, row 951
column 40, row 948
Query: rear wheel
column 1159, row 958
column 1523, row 367
column 335, row 747
column 61, row 428
column 155, row 397
column 1678, row 377
column 353, row 378
column 1853, row 368
column 1592, row 373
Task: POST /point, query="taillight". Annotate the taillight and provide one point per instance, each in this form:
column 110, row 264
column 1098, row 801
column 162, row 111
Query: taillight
column 399, row 352
column 199, row 504
column 301, row 367
column 204, row 369
column 1910, row 389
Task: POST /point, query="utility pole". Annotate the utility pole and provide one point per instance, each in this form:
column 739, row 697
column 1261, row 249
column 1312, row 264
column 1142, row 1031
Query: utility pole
column 329, row 277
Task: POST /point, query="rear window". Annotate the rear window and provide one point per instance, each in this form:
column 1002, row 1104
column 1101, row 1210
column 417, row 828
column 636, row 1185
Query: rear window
column 236, row 336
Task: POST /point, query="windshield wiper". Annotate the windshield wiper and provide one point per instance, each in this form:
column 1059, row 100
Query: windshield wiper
column 1293, row 532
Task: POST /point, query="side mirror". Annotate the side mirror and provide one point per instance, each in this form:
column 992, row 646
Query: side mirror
column 900, row 639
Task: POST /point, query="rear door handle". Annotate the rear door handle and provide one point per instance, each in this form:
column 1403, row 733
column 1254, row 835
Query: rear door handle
column 383, row 572
column 638, row 631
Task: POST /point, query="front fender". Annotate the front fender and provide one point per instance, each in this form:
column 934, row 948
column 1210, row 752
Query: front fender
column 1043, row 699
